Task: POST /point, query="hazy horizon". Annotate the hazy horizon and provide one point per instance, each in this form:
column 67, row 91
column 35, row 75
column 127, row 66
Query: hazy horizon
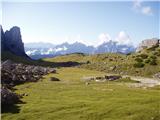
column 88, row 22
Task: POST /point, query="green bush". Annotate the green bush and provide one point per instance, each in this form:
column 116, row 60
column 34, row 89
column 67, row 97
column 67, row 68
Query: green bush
column 153, row 57
column 157, row 53
column 138, row 65
column 147, row 60
column 153, row 47
column 88, row 62
column 138, row 59
column 153, row 62
column 143, row 56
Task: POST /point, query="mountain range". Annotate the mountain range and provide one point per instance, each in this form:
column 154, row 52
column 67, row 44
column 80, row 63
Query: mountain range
column 41, row 50
column 11, row 41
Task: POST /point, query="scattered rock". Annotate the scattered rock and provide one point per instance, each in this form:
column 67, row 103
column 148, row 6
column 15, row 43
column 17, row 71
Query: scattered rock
column 112, row 77
column 157, row 75
column 54, row 79
column 103, row 78
column 24, row 94
column 112, row 68
column 99, row 78
column 87, row 83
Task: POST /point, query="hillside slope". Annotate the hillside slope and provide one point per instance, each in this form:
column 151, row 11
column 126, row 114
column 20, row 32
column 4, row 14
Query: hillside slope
column 143, row 63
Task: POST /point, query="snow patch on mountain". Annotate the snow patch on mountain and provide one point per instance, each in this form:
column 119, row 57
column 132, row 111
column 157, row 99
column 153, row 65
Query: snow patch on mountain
column 103, row 38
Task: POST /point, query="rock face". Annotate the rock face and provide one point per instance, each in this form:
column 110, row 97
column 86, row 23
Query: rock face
column 3, row 45
column 11, row 41
column 148, row 43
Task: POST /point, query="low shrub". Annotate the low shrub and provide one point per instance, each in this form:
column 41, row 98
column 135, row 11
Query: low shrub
column 139, row 65
column 143, row 56
column 153, row 57
column 147, row 60
column 153, row 47
column 153, row 62
column 88, row 62
column 157, row 53
column 138, row 59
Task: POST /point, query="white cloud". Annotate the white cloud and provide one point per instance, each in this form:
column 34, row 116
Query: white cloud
column 147, row 10
column 103, row 37
column 140, row 8
column 123, row 38
column 137, row 4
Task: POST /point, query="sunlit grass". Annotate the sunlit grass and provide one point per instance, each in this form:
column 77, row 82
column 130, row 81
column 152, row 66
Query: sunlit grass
column 72, row 99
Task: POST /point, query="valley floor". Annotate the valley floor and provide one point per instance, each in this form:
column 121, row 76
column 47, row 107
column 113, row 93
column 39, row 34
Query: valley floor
column 72, row 99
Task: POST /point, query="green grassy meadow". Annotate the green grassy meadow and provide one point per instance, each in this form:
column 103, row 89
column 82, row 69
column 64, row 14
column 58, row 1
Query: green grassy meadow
column 72, row 99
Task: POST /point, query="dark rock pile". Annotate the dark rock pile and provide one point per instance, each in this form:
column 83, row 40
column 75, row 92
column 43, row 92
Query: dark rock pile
column 8, row 97
column 112, row 77
column 104, row 78
column 17, row 73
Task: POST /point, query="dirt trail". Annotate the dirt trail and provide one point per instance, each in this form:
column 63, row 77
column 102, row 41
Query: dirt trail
column 151, row 82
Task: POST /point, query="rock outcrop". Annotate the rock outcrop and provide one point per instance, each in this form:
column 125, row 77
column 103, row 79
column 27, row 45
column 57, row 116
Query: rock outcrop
column 11, row 41
column 148, row 43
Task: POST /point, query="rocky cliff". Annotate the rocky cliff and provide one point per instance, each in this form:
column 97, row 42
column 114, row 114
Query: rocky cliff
column 148, row 43
column 11, row 41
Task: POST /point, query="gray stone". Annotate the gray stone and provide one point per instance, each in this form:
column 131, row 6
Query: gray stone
column 148, row 43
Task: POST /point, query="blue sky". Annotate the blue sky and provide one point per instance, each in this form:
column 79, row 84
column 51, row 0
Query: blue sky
column 88, row 22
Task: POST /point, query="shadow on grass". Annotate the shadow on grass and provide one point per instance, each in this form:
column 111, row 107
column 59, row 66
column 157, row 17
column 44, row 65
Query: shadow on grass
column 56, row 64
column 39, row 62
column 10, row 109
